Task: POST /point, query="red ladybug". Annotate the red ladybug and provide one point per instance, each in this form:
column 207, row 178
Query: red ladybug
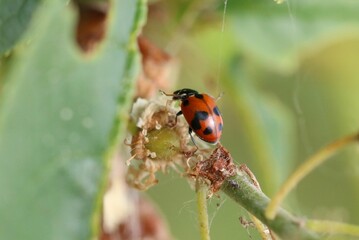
column 201, row 113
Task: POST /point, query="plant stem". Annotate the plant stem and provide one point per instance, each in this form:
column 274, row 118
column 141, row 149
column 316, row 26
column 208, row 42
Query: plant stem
column 285, row 225
column 308, row 166
column 262, row 229
column 332, row 227
column 201, row 190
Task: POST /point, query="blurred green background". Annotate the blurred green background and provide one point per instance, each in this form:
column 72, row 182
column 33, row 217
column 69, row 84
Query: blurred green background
column 289, row 74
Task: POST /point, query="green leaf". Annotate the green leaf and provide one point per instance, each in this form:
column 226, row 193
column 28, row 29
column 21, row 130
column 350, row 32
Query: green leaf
column 61, row 114
column 278, row 34
column 15, row 16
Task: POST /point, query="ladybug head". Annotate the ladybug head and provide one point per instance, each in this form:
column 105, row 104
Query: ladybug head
column 183, row 93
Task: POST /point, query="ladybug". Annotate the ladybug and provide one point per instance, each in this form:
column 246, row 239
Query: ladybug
column 201, row 113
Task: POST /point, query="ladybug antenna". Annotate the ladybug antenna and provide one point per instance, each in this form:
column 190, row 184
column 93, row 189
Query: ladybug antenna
column 164, row 93
column 219, row 96
column 174, row 95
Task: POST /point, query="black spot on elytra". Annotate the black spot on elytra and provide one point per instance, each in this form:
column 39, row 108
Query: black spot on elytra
column 207, row 131
column 185, row 102
column 216, row 111
column 199, row 96
column 198, row 116
column 195, row 124
column 220, row 127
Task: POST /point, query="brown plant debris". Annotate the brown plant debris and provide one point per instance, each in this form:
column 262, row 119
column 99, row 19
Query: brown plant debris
column 145, row 222
column 159, row 69
column 91, row 26
column 216, row 168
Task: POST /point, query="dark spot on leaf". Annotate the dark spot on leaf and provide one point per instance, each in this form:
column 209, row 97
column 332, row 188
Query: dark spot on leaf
column 233, row 184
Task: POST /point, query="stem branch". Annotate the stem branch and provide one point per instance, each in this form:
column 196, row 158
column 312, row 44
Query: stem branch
column 285, row 225
column 307, row 167
column 331, row 227
column 201, row 190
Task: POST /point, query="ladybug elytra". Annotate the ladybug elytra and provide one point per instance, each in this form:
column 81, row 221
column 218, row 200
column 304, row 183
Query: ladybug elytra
column 201, row 113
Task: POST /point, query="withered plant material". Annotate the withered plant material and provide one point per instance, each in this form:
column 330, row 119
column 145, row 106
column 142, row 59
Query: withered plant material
column 216, row 168
column 159, row 69
column 91, row 26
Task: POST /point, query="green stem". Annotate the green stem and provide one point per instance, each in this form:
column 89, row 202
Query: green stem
column 201, row 190
column 307, row 167
column 262, row 229
column 331, row 227
column 285, row 225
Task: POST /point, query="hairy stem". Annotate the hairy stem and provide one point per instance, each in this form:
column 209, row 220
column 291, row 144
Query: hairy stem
column 285, row 225
column 201, row 190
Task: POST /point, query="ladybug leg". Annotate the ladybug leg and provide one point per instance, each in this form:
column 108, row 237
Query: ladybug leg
column 178, row 114
column 175, row 123
column 190, row 134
